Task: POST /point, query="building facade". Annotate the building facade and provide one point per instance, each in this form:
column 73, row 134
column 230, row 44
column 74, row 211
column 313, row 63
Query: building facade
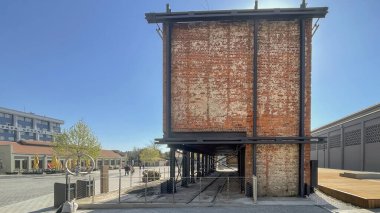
column 239, row 81
column 353, row 142
column 16, row 125
column 17, row 157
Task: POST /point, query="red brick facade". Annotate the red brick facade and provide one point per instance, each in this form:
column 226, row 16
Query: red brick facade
column 212, row 69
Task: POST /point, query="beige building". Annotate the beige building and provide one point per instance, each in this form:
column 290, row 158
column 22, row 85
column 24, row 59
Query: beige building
column 18, row 156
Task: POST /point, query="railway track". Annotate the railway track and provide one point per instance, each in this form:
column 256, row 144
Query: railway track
column 211, row 190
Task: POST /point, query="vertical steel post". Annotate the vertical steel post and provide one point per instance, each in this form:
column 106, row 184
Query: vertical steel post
column 302, row 107
column 198, row 165
column 93, row 189
column 168, row 76
column 255, row 74
column 172, row 163
column 192, row 167
column 68, row 190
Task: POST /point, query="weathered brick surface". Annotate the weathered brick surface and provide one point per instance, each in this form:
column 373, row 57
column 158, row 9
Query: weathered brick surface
column 211, row 76
column 278, row 106
column 212, row 91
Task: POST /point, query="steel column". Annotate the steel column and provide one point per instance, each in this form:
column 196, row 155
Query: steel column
column 203, row 165
column 172, row 162
column 255, row 74
column 198, row 165
column 168, row 77
column 302, row 108
column 185, row 168
column 192, row 180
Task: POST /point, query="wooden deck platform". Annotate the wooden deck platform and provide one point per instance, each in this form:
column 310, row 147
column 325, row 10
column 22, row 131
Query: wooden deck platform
column 360, row 192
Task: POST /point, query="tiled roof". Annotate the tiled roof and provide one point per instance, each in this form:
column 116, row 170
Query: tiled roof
column 19, row 148
column 109, row 154
column 44, row 148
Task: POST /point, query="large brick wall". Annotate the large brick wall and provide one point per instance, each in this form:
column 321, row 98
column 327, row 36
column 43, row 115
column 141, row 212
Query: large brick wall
column 278, row 106
column 212, row 91
column 211, row 76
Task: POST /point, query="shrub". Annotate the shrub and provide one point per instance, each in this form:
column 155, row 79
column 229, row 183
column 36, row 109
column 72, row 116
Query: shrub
column 150, row 175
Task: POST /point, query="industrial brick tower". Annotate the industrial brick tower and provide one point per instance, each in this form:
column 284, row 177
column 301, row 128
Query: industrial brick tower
column 240, row 81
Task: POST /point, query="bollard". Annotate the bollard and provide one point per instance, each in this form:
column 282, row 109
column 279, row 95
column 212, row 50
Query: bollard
column 254, row 191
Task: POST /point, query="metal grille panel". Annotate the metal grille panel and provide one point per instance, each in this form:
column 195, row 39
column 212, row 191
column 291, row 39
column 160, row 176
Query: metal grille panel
column 313, row 147
column 322, row 146
column 372, row 134
column 334, row 141
column 352, row 138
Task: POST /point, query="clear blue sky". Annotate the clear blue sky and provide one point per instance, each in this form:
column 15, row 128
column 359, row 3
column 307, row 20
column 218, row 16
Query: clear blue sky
column 99, row 60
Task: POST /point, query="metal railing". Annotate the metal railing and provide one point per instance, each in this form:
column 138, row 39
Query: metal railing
column 154, row 185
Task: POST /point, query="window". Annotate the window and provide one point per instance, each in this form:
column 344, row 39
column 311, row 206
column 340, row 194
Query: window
column 17, row 164
column 11, row 138
column 7, row 116
column 28, row 120
column 1, row 130
column 2, row 138
column 1, row 115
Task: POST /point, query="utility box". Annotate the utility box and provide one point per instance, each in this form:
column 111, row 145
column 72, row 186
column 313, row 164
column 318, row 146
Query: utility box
column 313, row 174
column 60, row 192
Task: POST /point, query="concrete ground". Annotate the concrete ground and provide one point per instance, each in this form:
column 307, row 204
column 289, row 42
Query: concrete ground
column 263, row 209
column 35, row 194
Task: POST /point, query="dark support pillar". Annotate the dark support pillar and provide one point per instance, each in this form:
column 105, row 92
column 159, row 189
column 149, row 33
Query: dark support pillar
column 212, row 164
column 302, row 108
column 192, row 179
column 185, row 168
column 254, row 98
column 206, row 164
column 172, row 162
column 172, row 171
column 203, row 165
column 198, row 165
column 168, row 51
column 239, row 163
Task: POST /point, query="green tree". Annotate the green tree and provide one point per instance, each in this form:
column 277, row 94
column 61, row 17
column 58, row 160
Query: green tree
column 77, row 142
column 150, row 154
